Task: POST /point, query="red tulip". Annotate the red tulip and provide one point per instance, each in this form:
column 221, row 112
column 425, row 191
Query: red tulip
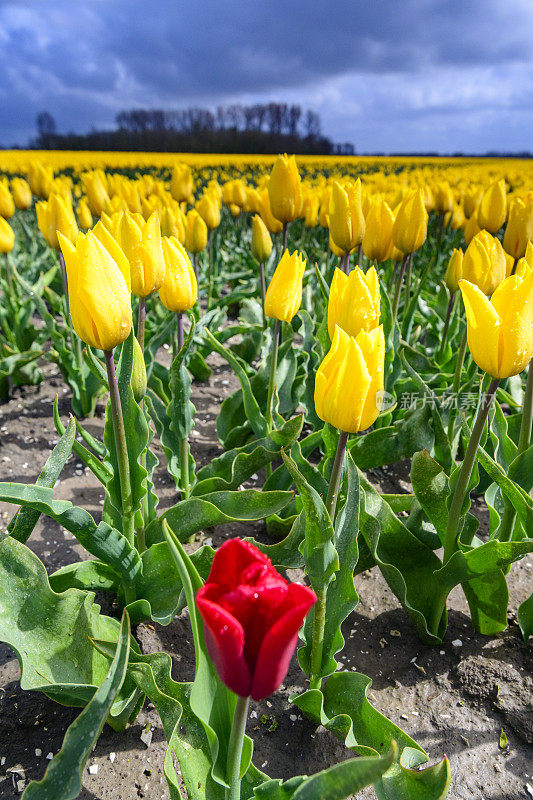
column 252, row 617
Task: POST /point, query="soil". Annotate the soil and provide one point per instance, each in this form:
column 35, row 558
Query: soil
column 453, row 699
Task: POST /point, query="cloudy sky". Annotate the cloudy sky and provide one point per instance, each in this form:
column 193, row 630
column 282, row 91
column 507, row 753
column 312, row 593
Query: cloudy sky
column 387, row 75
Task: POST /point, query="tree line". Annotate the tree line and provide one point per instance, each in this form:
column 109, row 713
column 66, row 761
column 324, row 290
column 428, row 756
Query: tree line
column 235, row 128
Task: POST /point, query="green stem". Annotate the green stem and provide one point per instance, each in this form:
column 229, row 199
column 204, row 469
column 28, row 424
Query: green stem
column 9, row 277
column 65, row 285
column 524, row 440
column 359, row 256
column 398, row 290
column 235, row 748
column 121, row 447
column 211, row 276
column 183, row 443
column 285, row 232
column 319, row 618
column 457, row 381
column 263, row 290
column 141, row 322
column 408, row 280
column 454, row 515
column 446, row 325
column 272, row 379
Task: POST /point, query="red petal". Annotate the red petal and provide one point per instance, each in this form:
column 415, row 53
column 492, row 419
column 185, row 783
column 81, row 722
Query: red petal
column 279, row 643
column 230, row 561
column 224, row 638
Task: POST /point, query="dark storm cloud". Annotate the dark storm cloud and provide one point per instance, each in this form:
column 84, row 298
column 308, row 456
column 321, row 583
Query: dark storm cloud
column 353, row 60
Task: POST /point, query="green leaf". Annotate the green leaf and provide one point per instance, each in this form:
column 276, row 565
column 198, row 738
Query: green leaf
column 98, row 469
column 430, row 485
column 321, row 559
column 406, row 781
column 102, row 541
column 50, row 633
column 180, row 409
column 395, row 442
column 488, row 598
column 92, row 575
column 338, row 782
column 525, row 617
column 235, row 466
column 197, row 513
column 251, row 407
column 22, row 525
column 62, row 780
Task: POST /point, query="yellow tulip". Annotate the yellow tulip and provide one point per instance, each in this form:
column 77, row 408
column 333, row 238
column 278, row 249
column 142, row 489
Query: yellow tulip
column 181, row 185
column 179, row 290
column 354, row 301
column 525, row 264
column 492, row 211
column 141, row 243
column 443, row 198
column 500, row 330
column 285, row 189
column 83, row 212
column 349, row 382
column 346, row 219
column 471, row 201
column 273, row 224
column 484, row 262
column 409, row 231
column 115, row 251
column 310, row 210
column 100, row 304
column 7, row 236
column 377, row 241
column 334, row 249
column 284, row 294
column 209, row 209
column 195, row 232
column 53, row 215
column 454, row 271
column 261, row 241
column 21, row 193
column 96, row 192
column 471, row 228
column 172, row 223
column 7, row 204
column 519, row 228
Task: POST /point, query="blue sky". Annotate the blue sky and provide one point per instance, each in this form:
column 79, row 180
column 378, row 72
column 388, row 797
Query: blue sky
column 387, row 75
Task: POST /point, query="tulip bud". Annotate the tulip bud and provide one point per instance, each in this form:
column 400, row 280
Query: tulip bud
column 172, row 223
column 284, row 294
column 471, row 201
column 377, row 241
column 138, row 372
column 195, row 232
column 354, row 301
column 115, row 251
column 471, row 228
column 492, row 211
column 21, row 193
column 181, row 185
column 409, row 231
column 251, row 617
column 484, row 262
column 7, row 236
column 261, row 241
column 83, row 212
column 519, row 228
column 349, row 382
column 500, row 330
column 454, row 271
column 285, row 189
column 7, row 204
column 96, row 192
column 53, row 215
column 273, row 224
column 525, row 264
column 209, row 210
column 346, row 220
column 141, row 243
column 100, row 305
column 179, row 290
column 443, row 198
column 310, row 210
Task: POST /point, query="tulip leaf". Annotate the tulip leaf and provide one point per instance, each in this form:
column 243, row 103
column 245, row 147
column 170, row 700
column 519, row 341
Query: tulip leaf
column 395, row 442
column 286, row 554
column 341, row 598
column 50, row 633
column 137, row 435
column 488, row 598
column 180, row 409
column 431, row 488
column 98, row 469
column 525, row 617
column 212, row 703
column 321, row 558
column 470, row 563
column 92, row 575
column 338, row 782
column 407, row 564
column 100, row 540
column 251, row 407
column 235, row 466
column 62, row 779
column 406, row 781
column 23, row 523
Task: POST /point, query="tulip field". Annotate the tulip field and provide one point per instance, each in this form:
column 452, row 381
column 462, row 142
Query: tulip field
column 266, row 472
